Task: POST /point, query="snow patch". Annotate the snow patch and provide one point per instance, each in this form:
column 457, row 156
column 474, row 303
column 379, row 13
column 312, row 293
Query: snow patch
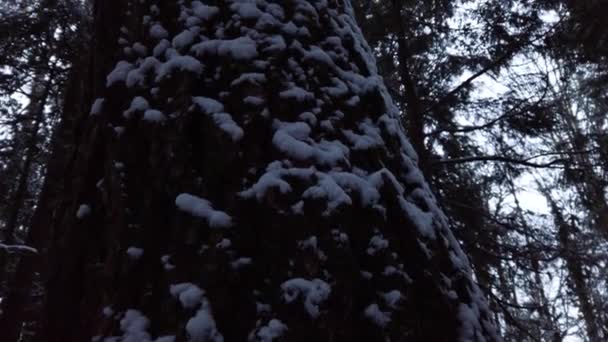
column 225, row 243
column 246, row 10
column 327, row 189
column 201, row 327
column 189, row 295
column 273, row 330
column 119, row 73
column 225, row 122
column 83, row 211
column 312, row 244
column 202, row 208
column 208, row 105
column 153, row 115
column 97, row 106
column 168, row 338
column 183, row 39
column 254, row 78
column 293, row 139
column 138, row 104
column 107, row 311
column 392, row 298
column 272, row 179
column 378, row 317
column 421, row 219
column 161, row 47
column 134, row 325
column 204, row 12
column 182, row 63
column 313, row 293
column 135, row 253
column 297, row 94
column 166, row 261
column 140, row 49
column 157, row 31
column 240, row 263
column 376, row 244
column 240, row 49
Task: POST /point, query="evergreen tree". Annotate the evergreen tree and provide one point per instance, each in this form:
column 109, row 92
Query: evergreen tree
column 242, row 174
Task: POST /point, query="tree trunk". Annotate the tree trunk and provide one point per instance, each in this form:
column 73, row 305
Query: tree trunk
column 250, row 180
column 24, row 162
column 578, row 284
column 22, row 304
column 35, row 112
column 576, row 278
column 414, row 121
column 588, row 184
column 546, row 329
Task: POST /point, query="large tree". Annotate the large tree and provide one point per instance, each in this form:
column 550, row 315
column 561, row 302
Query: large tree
column 242, row 174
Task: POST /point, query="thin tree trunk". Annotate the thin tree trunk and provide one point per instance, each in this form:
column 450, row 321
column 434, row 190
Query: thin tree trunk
column 578, row 284
column 547, row 329
column 576, row 277
column 587, row 183
column 414, row 120
column 35, row 112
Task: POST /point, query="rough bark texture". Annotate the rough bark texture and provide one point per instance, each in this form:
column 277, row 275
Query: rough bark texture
column 274, row 196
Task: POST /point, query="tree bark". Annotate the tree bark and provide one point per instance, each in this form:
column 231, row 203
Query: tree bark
column 268, row 190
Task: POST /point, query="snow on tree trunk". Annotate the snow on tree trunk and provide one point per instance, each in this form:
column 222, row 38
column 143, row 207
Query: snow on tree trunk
column 245, row 176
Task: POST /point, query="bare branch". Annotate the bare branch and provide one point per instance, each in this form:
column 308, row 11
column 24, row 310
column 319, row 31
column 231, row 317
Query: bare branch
column 500, row 159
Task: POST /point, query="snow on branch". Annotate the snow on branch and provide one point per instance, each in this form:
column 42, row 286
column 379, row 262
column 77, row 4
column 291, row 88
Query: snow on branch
column 18, row 249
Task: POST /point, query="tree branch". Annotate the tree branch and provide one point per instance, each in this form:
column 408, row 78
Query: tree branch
column 18, row 249
column 502, row 159
column 485, row 70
